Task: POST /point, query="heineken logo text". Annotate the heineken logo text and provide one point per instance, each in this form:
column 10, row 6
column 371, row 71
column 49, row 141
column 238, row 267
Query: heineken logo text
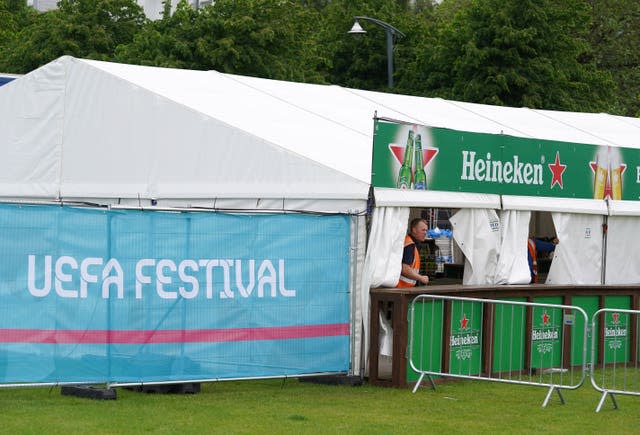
column 544, row 334
column 463, row 340
column 497, row 171
column 615, row 332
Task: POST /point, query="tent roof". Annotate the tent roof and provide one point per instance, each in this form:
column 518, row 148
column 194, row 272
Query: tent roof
column 88, row 129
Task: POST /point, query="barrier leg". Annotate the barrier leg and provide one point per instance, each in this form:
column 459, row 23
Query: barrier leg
column 546, row 400
column 433, row 385
column 415, row 388
column 602, row 399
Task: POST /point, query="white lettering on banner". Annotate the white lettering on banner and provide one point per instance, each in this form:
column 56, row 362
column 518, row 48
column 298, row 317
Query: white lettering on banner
column 108, row 279
column 463, row 340
column 615, row 332
column 637, row 174
column 496, row 171
column 168, row 279
column 545, row 334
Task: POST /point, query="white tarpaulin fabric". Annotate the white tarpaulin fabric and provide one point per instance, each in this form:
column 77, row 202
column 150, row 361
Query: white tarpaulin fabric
column 513, row 267
column 77, row 129
column 623, row 255
column 624, row 208
column 430, row 198
column 87, row 130
column 386, row 240
column 577, row 258
column 567, row 205
column 383, row 261
column 477, row 233
column 358, row 328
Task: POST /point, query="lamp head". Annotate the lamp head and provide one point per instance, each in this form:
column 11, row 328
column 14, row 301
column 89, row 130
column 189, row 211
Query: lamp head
column 357, row 29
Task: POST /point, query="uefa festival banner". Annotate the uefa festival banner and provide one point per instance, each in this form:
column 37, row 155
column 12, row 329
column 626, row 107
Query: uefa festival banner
column 94, row 296
column 409, row 156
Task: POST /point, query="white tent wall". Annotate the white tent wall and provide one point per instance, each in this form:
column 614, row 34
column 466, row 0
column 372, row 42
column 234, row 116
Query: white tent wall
column 159, row 149
column 622, row 253
column 138, row 137
column 125, row 135
column 32, row 110
column 578, row 257
column 512, row 267
column 623, row 238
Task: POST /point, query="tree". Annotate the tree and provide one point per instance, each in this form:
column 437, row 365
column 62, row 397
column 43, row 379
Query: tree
column 615, row 38
column 265, row 38
column 516, row 53
column 14, row 15
column 81, row 28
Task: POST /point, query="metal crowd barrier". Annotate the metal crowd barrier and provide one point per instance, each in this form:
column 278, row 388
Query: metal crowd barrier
column 614, row 369
column 508, row 341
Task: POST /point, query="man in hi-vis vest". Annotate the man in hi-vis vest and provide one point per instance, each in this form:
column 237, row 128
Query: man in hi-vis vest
column 410, row 274
column 535, row 247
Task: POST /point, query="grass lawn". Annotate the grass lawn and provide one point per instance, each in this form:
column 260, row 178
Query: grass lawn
column 274, row 406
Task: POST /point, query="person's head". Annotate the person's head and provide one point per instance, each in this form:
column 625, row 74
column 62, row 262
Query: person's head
column 418, row 229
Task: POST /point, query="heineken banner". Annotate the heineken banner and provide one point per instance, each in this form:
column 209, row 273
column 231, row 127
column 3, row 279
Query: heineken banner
column 96, row 296
column 408, row 156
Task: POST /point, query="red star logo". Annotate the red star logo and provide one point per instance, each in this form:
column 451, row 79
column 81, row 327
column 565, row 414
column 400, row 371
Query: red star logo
column 608, row 193
column 545, row 318
column 427, row 153
column 464, row 321
column 557, row 169
column 616, row 318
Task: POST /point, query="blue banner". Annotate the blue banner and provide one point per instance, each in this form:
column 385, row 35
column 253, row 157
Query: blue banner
column 90, row 295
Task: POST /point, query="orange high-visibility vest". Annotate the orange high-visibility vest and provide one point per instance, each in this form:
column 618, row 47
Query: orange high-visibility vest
column 404, row 281
column 534, row 261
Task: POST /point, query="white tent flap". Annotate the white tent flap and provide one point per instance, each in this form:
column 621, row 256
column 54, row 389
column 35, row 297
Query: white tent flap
column 383, row 260
column 623, row 255
column 384, row 253
column 477, row 233
column 512, row 265
column 578, row 257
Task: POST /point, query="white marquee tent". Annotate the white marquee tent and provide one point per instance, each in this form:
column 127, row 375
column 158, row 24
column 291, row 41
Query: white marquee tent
column 125, row 135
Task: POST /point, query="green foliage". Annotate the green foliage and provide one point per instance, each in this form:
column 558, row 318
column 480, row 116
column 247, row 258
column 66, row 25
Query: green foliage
column 361, row 61
column 566, row 55
column 266, row 38
column 516, row 53
column 14, row 15
column 81, row 28
column 615, row 38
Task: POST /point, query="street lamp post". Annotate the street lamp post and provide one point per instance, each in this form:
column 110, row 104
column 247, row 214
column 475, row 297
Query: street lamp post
column 391, row 33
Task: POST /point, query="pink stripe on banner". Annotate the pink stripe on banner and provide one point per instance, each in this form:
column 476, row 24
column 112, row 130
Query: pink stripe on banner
column 46, row 336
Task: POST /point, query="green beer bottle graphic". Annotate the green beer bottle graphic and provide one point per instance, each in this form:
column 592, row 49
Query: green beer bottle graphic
column 420, row 177
column 404, row 177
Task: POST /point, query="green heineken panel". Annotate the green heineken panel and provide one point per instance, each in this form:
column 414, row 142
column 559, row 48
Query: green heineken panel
column 405, row 174
column 460, row 161
column 617, row 330
column 465, row 339
column 420, row 176
column 546, row 334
